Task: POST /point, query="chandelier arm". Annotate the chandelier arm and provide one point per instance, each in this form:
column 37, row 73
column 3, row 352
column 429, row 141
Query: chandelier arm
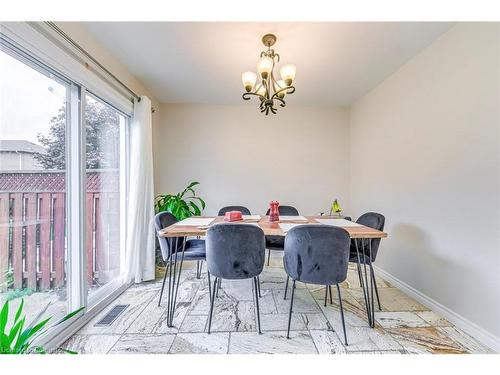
column 246, row 95
column 261, row 84
column 265, row 82
column 282, row 102
column 275, row 83
column 291, row 88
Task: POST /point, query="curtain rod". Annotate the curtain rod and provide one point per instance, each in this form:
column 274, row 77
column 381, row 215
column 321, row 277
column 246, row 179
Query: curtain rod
column 68, row 39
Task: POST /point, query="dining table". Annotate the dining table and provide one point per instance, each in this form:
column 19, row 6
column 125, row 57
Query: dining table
column 197, row 226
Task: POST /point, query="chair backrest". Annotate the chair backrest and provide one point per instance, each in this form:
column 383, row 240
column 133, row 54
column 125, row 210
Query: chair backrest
column 235, row 251
column 244, row 210
column 163, row 220
column 375, row 221
column 317, row 254
column 286, row 211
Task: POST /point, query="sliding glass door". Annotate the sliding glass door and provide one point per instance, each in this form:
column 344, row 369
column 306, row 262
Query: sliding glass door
column 33, row 126
column 105, row 129
column 63, row 173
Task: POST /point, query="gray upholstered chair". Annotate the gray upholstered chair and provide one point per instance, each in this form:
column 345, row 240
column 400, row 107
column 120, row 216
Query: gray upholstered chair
column 317, row 254
column 235, row 252
column 194, row 249
column 222, row 212
column 375, row 221
column 242, row 209
column 278, row 242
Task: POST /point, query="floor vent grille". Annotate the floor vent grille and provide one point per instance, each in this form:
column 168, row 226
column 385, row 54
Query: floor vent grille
column 111, row 316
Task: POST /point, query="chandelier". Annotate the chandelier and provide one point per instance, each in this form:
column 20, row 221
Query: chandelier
column 270, row 91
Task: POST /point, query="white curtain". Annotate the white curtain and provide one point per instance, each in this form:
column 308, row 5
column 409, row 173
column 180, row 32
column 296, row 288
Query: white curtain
column 140, row 244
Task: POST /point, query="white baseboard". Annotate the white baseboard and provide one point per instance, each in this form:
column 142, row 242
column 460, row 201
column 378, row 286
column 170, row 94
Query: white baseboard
column 471, row 328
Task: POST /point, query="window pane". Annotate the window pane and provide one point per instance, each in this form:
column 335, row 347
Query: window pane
column 32, row 188
column 103, row 125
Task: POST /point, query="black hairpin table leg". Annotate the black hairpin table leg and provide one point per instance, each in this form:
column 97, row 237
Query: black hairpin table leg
column 174, row 279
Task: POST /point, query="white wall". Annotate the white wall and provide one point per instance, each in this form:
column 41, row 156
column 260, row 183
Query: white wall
column 425, row 152
column 299, row 156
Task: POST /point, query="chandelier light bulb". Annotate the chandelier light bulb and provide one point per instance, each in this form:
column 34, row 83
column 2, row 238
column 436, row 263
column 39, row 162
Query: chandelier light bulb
column 281, row 85
column 261, row 91
column 249, row 79
column 288, row 73
column 265, row 66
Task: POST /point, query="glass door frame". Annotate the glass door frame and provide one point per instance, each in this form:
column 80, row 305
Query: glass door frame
column 76, row 239
column 75, row 152
column 124, row 141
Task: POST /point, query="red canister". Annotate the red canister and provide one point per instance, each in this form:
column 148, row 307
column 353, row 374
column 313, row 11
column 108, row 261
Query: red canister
column 233, row 216
column 274, row 214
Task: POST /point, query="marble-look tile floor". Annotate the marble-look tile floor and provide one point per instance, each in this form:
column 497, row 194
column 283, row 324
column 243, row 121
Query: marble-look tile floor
column 402, row 326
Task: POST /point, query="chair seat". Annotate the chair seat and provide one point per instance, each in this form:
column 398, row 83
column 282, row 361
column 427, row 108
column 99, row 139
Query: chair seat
column 275, row 242
column 194, row 250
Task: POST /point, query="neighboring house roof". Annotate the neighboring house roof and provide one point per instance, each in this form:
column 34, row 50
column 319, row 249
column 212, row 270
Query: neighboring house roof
column 53, row 181
column 16, row 145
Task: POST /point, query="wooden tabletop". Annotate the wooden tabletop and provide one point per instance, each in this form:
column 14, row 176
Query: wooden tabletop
column 270, row 229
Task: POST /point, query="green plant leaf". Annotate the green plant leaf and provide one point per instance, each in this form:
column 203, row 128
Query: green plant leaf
column 69, row 316
column 162, row 202
column 23, row 340
column 4, row 316
column 19, row 310
column 201, row 201
column 196, row 209
column 67, row 351
column 190, row 187
column 16, row 329
column 5, row 344
column 40, row 350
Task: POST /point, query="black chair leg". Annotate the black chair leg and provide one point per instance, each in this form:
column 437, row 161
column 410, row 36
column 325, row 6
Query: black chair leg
column 326, row 293
column 209, row 287
column 218, row 287
column 375, row 284
column 199, row 266
column 342, row 314
column 360, row 276
column 290, row 313
column 163, row 285
column 256, row 287
column 212, row 306
column 330, row 291
column 268, row 256
column 286, row 286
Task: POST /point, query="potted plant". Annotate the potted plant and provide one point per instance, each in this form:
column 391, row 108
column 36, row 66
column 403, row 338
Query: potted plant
column 20, row 337
column 181, row 205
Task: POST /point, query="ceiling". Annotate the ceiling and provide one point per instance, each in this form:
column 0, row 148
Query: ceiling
column 337, row 62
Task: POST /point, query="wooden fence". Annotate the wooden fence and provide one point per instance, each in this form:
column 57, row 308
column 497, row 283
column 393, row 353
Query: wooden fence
column 33, row 249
